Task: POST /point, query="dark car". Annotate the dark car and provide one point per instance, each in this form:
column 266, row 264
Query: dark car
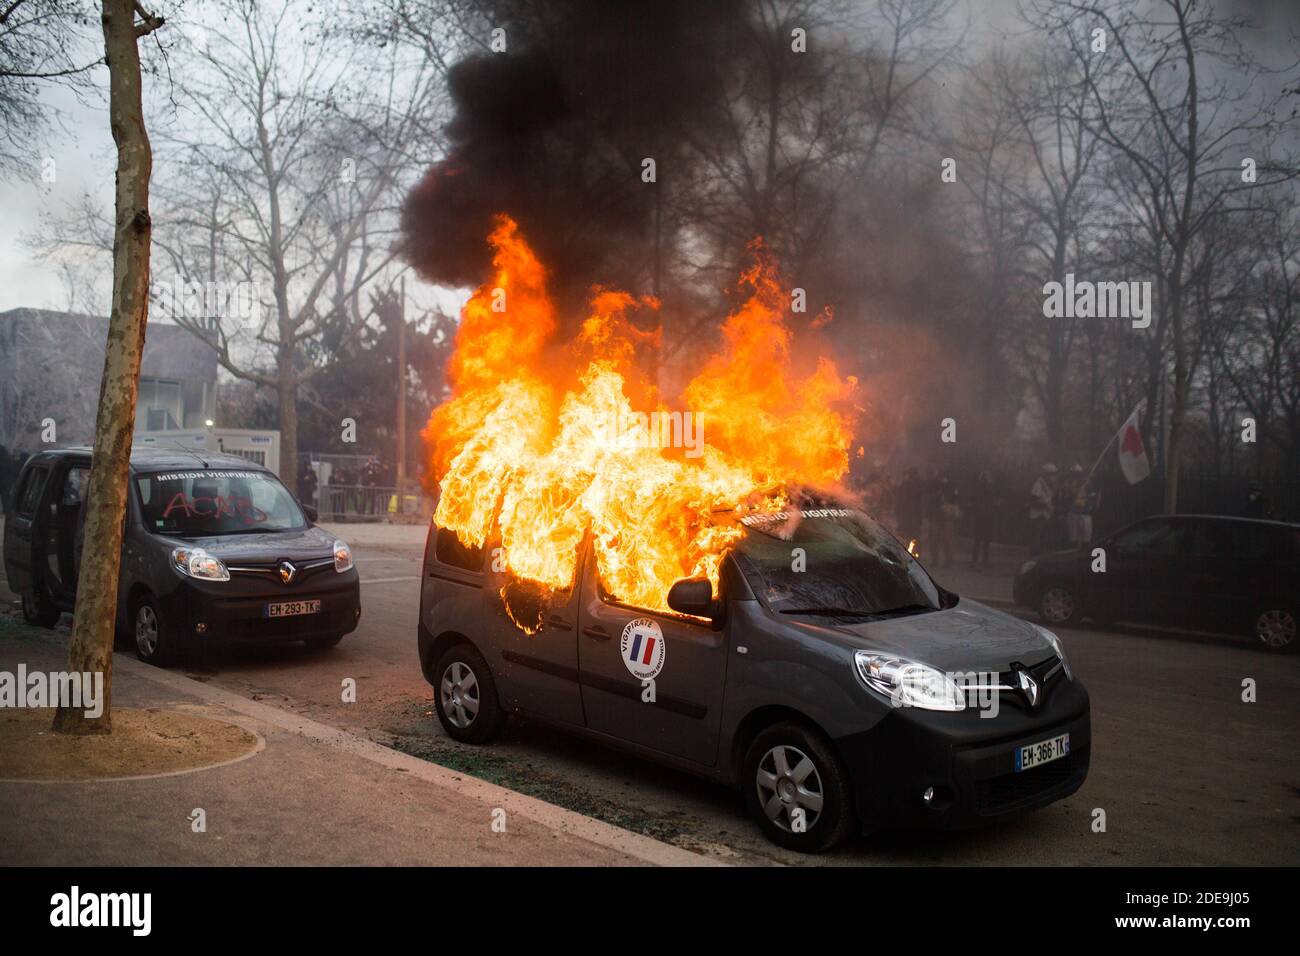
column 852, row 693
column 1205, row 572
column 216, row 552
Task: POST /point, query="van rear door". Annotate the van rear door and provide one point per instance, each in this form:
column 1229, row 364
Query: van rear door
column 21, row 527
column 536, row 673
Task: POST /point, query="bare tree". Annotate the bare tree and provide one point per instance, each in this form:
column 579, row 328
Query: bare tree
column 1259, row 354
column 285, row 172
column 105, row 507
column 1176, row 111
column 41, row 42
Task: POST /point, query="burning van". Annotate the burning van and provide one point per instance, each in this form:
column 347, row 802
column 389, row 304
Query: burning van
column 829, row 677
column 642, row 569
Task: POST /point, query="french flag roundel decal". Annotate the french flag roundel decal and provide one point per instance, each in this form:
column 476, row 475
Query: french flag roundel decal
column 643, row 648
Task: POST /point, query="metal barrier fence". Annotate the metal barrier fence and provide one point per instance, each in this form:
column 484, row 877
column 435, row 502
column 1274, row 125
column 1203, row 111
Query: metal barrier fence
column 371, row 503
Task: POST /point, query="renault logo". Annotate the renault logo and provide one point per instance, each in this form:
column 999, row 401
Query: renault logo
column 1029, row 686
column 287, row 571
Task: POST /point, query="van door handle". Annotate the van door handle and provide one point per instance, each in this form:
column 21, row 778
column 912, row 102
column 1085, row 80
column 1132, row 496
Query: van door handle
column 596, row 632
column 558, row 622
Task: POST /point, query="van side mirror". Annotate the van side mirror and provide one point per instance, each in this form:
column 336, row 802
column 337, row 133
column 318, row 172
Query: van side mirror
column 312, row 514
column 692, row 596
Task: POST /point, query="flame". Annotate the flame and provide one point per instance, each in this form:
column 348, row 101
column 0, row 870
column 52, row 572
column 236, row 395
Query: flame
column 541, row 444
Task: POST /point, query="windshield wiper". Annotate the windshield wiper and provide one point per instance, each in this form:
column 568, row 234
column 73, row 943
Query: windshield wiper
column 904, row 609
column 828, row 611
column 901, row 610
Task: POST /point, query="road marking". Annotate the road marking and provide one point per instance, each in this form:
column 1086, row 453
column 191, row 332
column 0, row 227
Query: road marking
column 388, row 580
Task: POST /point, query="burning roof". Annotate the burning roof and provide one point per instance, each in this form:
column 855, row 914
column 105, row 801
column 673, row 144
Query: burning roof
column 542, row 441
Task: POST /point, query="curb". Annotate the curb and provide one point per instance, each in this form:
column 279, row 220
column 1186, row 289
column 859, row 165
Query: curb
column 639, row 847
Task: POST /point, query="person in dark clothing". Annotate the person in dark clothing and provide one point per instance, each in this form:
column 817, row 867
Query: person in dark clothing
column 983, row 508
column 307, row 484
column 339, row 477
column 909, row 506
column 1257, row 503
column 370, row 479
column 9, row 467
column 1042, row 498
column 945, row 513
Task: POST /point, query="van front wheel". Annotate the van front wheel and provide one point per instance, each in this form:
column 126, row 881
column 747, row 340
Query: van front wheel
column 153, row 644
column 797, row 789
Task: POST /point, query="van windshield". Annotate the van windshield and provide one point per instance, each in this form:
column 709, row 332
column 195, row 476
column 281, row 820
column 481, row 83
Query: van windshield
column 191, row 504
column 834, row 562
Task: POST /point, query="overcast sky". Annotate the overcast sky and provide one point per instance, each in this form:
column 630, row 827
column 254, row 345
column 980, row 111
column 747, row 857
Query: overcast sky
column 82, row 149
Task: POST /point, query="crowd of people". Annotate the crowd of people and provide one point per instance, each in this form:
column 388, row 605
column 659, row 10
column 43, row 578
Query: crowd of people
column 928, row 511
column 362, row 489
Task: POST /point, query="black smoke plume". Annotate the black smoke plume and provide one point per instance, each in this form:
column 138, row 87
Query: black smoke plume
column 553, row 131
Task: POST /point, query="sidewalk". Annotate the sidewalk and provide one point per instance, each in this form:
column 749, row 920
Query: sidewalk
column 314, row 795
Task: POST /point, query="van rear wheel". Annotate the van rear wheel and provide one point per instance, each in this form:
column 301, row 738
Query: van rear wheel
column 797, row 790
column 465, row 696
column 38, row 610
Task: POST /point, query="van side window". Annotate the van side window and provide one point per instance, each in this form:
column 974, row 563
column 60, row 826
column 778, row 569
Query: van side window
column 30, row 496
column 74, row 486
column 448, row 550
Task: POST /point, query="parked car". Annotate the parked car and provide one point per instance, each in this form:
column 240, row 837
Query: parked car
column 216, row 551
column 1207, row 572
column 851, row 695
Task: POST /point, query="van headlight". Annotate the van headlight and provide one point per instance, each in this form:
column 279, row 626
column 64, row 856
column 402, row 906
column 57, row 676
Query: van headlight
column 909, row 683
column 197, row 563
column 1057, row 646
column 342, row 556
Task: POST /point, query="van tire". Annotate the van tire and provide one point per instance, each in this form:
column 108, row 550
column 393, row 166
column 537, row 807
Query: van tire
column 323, row 643
column 1274, row 627
column 770, row 767
column 38, row 610
column 147, row 622
column 465, row 695
column 1059, row 605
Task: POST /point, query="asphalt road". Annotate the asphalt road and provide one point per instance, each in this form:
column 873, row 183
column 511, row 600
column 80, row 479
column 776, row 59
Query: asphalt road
column 1186, row 772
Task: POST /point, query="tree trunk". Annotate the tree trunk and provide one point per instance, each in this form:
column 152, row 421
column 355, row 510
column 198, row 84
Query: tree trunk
column 401, row 389
column 288, row 396
column 1178, row 413
column 96, row 609
column 1054, row 386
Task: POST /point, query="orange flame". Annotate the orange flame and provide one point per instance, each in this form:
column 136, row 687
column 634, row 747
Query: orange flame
column 526, row 457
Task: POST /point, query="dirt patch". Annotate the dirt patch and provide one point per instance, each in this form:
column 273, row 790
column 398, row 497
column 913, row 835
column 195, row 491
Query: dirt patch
column 143, row 743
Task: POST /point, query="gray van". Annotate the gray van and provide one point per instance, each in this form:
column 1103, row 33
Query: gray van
column 215, row 552
column 831, row 679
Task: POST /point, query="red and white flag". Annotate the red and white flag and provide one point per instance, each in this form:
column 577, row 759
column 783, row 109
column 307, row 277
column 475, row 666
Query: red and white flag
column 1133, row 459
